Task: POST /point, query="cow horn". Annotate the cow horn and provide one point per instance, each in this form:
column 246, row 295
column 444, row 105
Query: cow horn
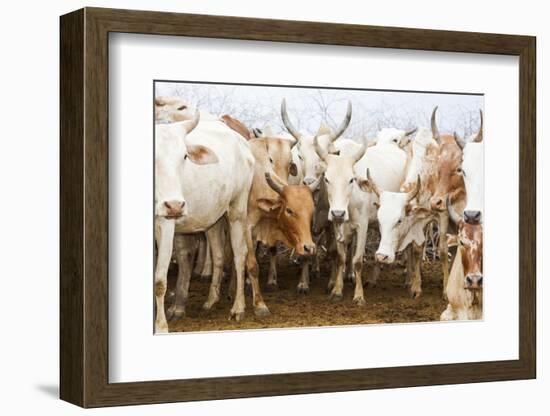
column 191, row 124
column 359, row 153
column 287, row 123
column 413, row 193
column 459, row 140
column 412, row 131
column 372, row 185
column 479, row 135
column 272, row 184
column 453, row 215
column 322, row 153
column 343, row 126
column 435, row 131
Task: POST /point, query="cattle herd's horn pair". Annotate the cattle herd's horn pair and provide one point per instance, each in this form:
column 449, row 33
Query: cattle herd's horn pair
column 411, row 194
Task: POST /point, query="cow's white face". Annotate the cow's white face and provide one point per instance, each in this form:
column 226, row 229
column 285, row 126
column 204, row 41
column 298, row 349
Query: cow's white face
column 472, row 170
column 340, row 181
column 395, row 221
column 312, row 165
column 171, row 155
column 172, row 110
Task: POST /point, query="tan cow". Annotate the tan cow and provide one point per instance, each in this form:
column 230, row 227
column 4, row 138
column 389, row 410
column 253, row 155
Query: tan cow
column 464, row 289
column 449, row 187
column 277, row 212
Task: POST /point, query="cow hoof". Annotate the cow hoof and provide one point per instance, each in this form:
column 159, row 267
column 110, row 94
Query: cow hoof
column 336, row 297
column 329, row 287
column 262, row 311
column 238, row 316
column 271, row 287
column 161, row 329
column 359, row 301
column 302, row 290
column 175, row 313
column 415, row 294
column 208, row 305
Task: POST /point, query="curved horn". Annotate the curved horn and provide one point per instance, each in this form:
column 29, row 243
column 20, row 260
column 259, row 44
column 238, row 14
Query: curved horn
column 372, row 185
column 191, row 124
column 272, row 184
column 459, row 141
column 479, row 135
column 414, row 192
column 343, row 126
column 359, row 153
column 287, row 123
column 453, row 215
column 435, row 131
column 322, row 153
column 412, row 131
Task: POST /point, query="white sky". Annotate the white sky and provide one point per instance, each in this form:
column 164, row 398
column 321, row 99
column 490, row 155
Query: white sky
column 257, row 106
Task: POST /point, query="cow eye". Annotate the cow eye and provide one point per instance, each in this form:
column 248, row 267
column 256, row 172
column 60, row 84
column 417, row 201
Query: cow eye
column 300, row 157
column 289, row 211
column 459, row 170
column 270, row 160
column 326, row 180
column 185, row 157
column 183, row 107
column 351, row 180
column 399, row 221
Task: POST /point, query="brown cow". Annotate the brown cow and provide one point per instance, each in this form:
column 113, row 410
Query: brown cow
column 449, row 186
column 277, row 212
column 464, row 289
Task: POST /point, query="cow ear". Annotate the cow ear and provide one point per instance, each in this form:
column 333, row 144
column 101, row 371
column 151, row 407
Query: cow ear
column 269, row 205
column 363, row 184
column 201, row 155
column 293, row 169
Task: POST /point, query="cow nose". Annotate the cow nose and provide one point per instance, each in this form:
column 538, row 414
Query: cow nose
column 309, row 248
column 472, row 217
column 309, row 180
column 380, row 257
column 474, row 281
column 338, row 213
column 174, row 208
column 437, row 203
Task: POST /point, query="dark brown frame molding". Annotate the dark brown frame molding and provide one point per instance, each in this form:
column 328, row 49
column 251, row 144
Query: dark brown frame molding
column 84, row 208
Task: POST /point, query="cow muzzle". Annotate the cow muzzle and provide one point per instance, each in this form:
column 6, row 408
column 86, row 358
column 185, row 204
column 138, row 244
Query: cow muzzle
column 174, row 209
column 384, row 258
column 473, row 282
column 337, row 215
column 472, row 217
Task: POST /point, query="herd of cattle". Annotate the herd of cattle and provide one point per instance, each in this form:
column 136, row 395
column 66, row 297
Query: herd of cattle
column 221, row 188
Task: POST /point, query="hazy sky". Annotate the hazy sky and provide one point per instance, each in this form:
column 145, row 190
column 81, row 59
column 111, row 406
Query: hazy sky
column 309, row 107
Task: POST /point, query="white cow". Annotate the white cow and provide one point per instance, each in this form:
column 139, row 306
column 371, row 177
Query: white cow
column 352, row 204
column 472, row 171
column 403, row 215
column 191, row 198
column 393, row 135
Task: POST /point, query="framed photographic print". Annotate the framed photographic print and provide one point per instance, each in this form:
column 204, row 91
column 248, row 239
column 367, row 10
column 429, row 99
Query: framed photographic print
column 255, row 207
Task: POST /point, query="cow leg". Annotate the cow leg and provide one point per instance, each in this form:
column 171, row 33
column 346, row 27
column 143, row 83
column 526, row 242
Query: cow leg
column 448, row 314
column 260, row 308
column 164, row 233
column 201, row 254
column 372, row 278
column 336, row 294
column 207, row 267
column 332, row 256
column 303, row 284
column 216, row 242
column 272, row 275
column 238, row 236
column 357, row 262
column 410, row 266
column 444, row 249
column 416, row 282
column 185, row 246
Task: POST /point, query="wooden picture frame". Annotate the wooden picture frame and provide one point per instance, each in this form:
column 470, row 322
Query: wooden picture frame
column 84, row 207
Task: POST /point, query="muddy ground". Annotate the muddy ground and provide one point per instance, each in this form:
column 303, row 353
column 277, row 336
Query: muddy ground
column 387, row 302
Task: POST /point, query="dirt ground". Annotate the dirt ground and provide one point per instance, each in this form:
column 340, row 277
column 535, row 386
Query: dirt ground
column 387, row 302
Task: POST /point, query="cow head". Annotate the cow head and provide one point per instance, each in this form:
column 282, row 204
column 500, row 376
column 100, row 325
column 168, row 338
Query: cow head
column 470, row 244
column 339, row 180
column 397, row 214
column 171, row 110
column 450, row 182
column 312, row 165
column 472, row 172
column 293, row 210
column 171, row 153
